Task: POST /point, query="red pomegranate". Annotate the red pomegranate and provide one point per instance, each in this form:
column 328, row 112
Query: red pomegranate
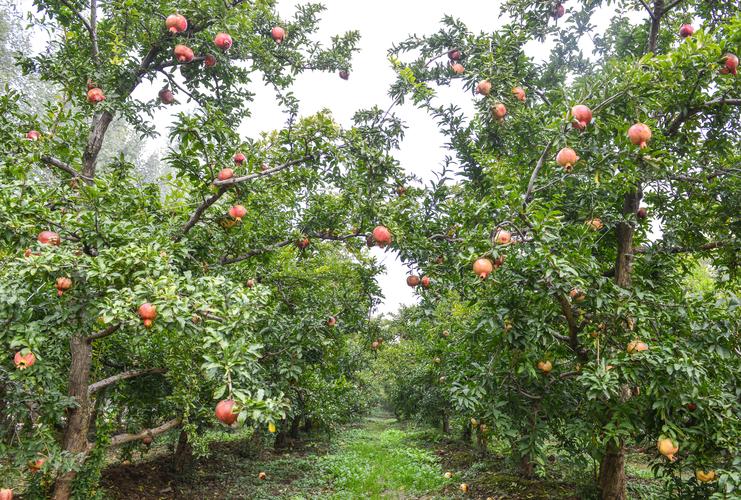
column 62, row 285
column 237, row 212
column 499, row 111
column 639, row 134
column 503, row 237
column 226, row 173
column 147, row 440
column 23, row 361
column 458, row 68
column 49, row 238
column 519, row 93
column 558, row 11
column 35, row 465
column 332, row 321
column 730, row 64
column 302, row 243
column 33, row 135
column 6, row 494
column 686, row 30
column 147, row 312
column 239, row 158
column 223, row 41
column 642, row 213
column 412, row 280
column 566, row 158
column 166, row 96
column 225, row 411
column 582, row 116
column 183, row 53
column 483, row 87
column 278, row 34
column 175, row 23
column 209, row 61
column 382, row 236
column 95, row 95
column 454, row 55
column 483, row 268
column 691, row 406
column 425, row 281
column 344, row 74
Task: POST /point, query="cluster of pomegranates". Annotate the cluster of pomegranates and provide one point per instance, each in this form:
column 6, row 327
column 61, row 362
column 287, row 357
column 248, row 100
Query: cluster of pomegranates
column 148, row 313
column 455, row 56
column 414, row 281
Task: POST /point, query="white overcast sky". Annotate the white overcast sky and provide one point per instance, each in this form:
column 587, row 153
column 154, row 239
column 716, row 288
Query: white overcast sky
column 380, row 23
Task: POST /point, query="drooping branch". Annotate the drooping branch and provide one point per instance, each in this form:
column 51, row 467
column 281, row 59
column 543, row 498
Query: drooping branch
column 122, row 376
column 104, row 333
column 265, row 173
column 648, row 8
column 689, row 112
column 713, row 245
column 120, row 439
column 705, row 176
column 57, row 163
column 275, row 246
column 534, row 176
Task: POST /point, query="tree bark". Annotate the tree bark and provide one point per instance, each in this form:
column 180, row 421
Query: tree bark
column 295, row 427
column 625, row 230
column 98, row 129
column 612, row 473
column 183, row 459
column 281, row 438
column 466, row 436
column 446, row 424
column 526, row 467
column 78, row 418
column 308, row 424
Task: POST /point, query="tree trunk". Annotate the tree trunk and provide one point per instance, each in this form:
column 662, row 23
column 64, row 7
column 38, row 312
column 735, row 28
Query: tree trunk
column 295, row 427
column 446, row 424
column 183, row 459
column 611, row 478
column 281, row 438
column 526, row 467
column 78, row 418
column 466, row 436
column 307, row 424
column 625, row 230
column 98, row 129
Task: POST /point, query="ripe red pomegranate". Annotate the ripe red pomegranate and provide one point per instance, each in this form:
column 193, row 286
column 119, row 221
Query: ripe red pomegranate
column 382, row 236
column 6, row 494
column 686, row 30
column 566, row 158
column 176, row 23
column 499, row 111
column 49, row 238
column 33, row 135
column 558, row 11
column 226, row 173
column 413, row 280
column 237, row 212
column 455, row 55
column 332, row 321
column 250, row 283
column 23, row 361
column 344, row 74
column 147, row 440
column 582, row 116
column 519, row 93
column 262, row 476
column 223, row 41
column 63, row 284
column 239, row 158
column 225, row 411
column 209, row 61
column 35, row 465
column 483, row 87
column 183, row 53
column 425, row 281
column 639, row 134
column 147, row 312
column 166, row 96
column 278, row 34
column 95, row 95
column 302, row 243
column 691, row 406
column 483, row 268
column 458, row 68
column 642, row 213
column 503, row 237
column 730, row 64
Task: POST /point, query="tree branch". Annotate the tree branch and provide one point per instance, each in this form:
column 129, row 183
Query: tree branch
column 258, row 251
column 120, row 439
column 94, row 30
column 702, row 248
column 55, row 162
column 266, row 173
column 568, row 313
column 104, row 333
column 648, row 8
column 122, row 376
column 79, row 16
column 533, row 177
column 689, row 112
column 671, row 6
column 199, row 213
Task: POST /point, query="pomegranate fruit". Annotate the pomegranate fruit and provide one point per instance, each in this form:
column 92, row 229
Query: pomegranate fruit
column 148, row 313
column 448, row 475
column 6, row 494
column 483, row 87
column 225, row 173
column 95, row 95
column 642, row 213
column 577, row 295
column 23, row 361
column 237, row 212
column 278, row 34
column 239, row 158
column 262, row 476
column 35, row 465
column 302, row 243
column 545, row 366
column 566, row 158
column 49, row 238
column 636, row 346
column 499, row 111
column 503, row 237
column 667, row 448
column 209, row 61
column 425, row 281
column 463, row 487
column 183, row 53
column 147, row 440
column 225, row 411
column 558, row 11
column 344, row 74
column 639, row 134
column 33, row 135
column 454, row 55
column 686, row 30
column 730, row 64
column 250, row 283
column 166, row 96
column 483, row 268
column 705, row 476
column 595, row 224
column 691, row 406
column 223, row 41
column 175, row 23
column 332, row 321
column 62, row 285
column 458, row 68
column 412, row 280
column 382, row 236
column 519, row 93
column 374, row 345
column 582, row 116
